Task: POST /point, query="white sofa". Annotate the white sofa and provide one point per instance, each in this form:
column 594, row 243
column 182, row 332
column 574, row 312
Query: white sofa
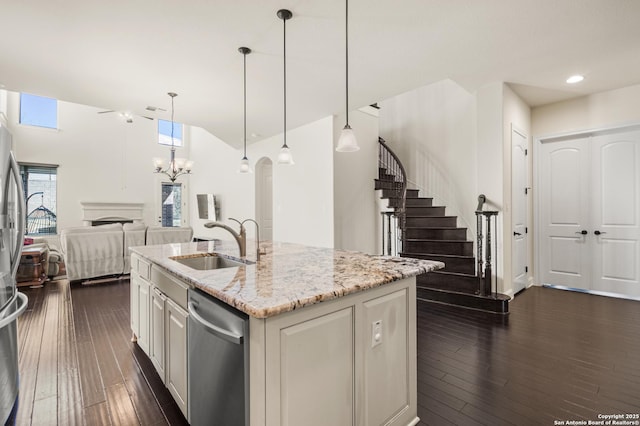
column 96, row 251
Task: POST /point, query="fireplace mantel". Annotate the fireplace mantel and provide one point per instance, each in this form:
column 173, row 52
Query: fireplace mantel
column 92, row 211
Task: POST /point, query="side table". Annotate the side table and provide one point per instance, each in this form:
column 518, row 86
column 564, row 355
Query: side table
column 31, row 269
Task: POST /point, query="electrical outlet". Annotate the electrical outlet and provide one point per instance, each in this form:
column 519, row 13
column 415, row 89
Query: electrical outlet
column 376, row 333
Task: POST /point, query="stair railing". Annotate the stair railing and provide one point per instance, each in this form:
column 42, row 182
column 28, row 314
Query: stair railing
column 389, row 161
column 484, row 242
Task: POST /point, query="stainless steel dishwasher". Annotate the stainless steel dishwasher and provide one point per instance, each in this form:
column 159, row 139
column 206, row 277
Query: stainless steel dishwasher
column 218, row 362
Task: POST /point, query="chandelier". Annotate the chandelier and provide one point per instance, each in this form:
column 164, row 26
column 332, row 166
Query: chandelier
column 177, row 166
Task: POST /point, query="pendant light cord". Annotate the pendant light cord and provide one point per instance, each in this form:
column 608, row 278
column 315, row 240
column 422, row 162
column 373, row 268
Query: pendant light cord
column 172, row 160
column 284, row 56
column 245, row 104
column 346, row 50
column 172, row 97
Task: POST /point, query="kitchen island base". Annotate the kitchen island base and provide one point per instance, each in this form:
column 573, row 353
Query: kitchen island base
column 328, row 364
column 331, row 334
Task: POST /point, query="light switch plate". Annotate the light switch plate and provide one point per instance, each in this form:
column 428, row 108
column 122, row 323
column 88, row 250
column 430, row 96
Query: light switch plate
column 376, row 333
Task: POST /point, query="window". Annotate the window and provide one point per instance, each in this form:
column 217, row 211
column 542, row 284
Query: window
column 171, row 204
column 38, row 111
column 39, row 182
column 164, row 133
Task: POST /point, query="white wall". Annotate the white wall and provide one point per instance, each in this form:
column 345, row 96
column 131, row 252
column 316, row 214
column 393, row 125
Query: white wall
column 357, row 224
column 302, row 193
column 516, row 113
column 491, row 170
column 433, row 131
column 3, row 106
column 606, row 109
column 217, row 173
column 101, row 158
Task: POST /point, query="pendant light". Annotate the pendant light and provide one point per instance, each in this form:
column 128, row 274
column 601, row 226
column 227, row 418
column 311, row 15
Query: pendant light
column 244, row 163
column 177, row 166
column 285, row 157
column 347, row 141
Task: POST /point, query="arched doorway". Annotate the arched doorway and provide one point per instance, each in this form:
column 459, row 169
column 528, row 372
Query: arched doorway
column 264, row 197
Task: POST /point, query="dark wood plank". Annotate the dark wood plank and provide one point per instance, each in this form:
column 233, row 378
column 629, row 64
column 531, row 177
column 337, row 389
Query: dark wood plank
column 47, row 379
column 29, row 354
column 143, row 399
column 69, row 392
column 45, row 411
column 121, row 408
column 97, row 414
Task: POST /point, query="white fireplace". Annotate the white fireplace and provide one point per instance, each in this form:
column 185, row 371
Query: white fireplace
column 111, row 212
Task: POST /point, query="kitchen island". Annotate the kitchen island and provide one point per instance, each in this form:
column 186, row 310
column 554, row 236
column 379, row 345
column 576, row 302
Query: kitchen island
column 331, row 333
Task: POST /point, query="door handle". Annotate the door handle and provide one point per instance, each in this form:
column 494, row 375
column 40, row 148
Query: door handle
column 598, row 232
column 583, row 232
column 7, row 318
column 21, row 219
column 227, row 335
column 516, row 233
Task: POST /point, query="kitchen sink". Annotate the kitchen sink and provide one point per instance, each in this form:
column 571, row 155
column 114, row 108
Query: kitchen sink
column 207, row 261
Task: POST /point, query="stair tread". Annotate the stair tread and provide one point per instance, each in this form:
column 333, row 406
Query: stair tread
column 431, row 217
column 431, row 240
column 427, row 227
column 493, row 296
column 456, row 256
column 457, row 274
column 436, row 228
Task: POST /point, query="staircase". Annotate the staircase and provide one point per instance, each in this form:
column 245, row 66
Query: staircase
column 427, row 232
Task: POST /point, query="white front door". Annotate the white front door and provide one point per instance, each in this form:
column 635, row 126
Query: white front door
column 519, row 196
column 589, row 204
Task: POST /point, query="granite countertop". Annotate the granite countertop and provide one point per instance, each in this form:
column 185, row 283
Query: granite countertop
column 289, row 276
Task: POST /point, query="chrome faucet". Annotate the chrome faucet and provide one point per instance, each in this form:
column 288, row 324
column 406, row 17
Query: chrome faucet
column 241, row 238
column 258, row 252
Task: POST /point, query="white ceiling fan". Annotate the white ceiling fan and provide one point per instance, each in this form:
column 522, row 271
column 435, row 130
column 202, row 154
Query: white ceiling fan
column 128, row 116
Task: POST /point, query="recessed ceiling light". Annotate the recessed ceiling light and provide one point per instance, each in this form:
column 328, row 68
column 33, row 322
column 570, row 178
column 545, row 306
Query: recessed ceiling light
column 575, row 79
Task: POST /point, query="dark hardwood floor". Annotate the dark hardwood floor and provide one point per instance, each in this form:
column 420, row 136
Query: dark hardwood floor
column 557, row 356
column 78, row 365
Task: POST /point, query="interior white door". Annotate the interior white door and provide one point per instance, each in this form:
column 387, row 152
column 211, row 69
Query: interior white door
column 519, row 203
column 590, row 213
column 564, row 213
column 264, row 198
column 616, row 213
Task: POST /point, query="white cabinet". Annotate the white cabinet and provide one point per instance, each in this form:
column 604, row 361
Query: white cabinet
column 140, row 302
column 157, row 334
column 311, row 381
column 135, row 308
column 348, row 361
column 168, row 345
column 159, row 320
column 176, row 353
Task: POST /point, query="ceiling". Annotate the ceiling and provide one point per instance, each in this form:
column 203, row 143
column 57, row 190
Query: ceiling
column 126, row 55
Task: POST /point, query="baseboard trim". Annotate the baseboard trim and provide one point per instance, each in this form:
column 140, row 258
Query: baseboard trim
column 594, row 292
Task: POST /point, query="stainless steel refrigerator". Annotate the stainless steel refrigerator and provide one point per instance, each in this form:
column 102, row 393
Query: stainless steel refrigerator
column 12, row 302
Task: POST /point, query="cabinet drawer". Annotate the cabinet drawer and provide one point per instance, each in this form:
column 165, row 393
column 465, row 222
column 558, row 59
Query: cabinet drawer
column 175, row 289
column 141, row 266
